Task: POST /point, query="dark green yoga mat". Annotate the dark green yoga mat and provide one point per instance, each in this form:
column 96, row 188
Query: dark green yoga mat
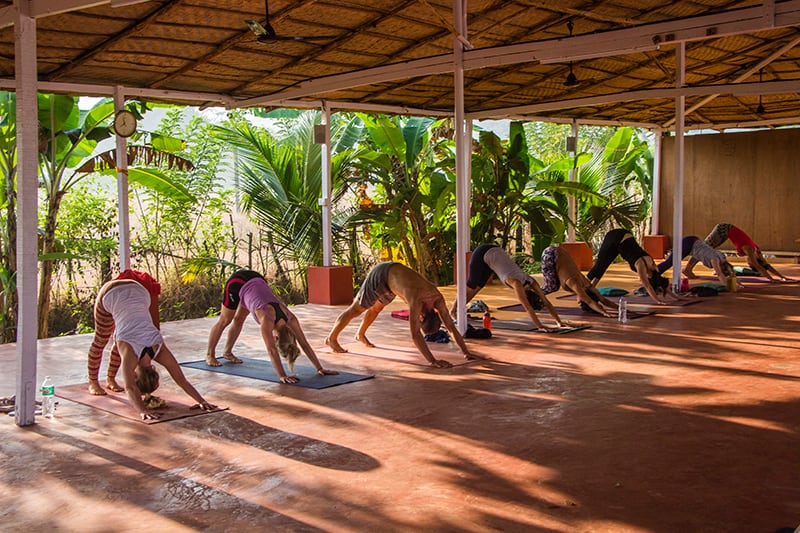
column 262, row 369
column 577, row 311
column 519, row 325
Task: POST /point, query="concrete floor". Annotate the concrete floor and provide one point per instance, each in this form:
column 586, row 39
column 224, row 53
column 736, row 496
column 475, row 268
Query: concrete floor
column 686, row 421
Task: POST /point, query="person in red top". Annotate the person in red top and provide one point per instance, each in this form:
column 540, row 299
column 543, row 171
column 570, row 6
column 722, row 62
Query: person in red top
column 745, row 246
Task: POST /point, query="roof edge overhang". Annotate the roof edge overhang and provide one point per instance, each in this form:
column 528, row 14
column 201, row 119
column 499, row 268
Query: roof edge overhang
column 603, row 44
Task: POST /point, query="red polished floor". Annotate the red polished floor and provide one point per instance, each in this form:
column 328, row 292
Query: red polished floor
column 685, row 421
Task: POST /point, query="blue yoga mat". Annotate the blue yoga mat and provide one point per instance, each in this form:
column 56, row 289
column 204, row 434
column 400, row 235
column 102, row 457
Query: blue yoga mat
column 262, row 369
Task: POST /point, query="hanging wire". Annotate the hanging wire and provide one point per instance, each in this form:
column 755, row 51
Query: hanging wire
column 572, row 79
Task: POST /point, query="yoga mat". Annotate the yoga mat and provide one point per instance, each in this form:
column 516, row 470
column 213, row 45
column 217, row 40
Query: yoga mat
column 744, row 279
column 262, row 369
column 646, row 300
column 517, row 308
column 600, row 290
column 405, row 354
column 577, row 311
column 117, row 403
column 402, row 314
column 527, row 325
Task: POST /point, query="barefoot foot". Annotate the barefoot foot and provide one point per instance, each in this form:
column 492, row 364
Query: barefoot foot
column 112, row 385
column 334, row 345
column 363, row 339
column 232, row 358
column 211, row 360
column 96, row 389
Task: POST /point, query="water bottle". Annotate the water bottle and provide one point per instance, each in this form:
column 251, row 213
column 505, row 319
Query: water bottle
column 48, row 398
column 622, row 314
column 487, row 320
column 684, row 284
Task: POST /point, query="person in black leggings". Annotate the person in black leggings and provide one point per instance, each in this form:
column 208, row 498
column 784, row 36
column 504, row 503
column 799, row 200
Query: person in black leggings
column 620, row 242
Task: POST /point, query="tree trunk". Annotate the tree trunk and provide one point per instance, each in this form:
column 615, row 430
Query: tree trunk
column 428, row 267
column 46, row 278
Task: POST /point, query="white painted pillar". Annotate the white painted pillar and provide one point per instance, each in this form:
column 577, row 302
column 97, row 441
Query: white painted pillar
column 122, row 189
column 325, row 200
column 655, row 206
column 573, row 177
column 677, row 215
column 463, row 154
column 27, row 204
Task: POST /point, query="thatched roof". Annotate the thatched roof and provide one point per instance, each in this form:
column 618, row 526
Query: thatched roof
column 397, row 53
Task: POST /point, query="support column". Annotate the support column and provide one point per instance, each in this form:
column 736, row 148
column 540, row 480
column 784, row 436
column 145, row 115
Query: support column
column 122, row 188
column 463, row 151
column 325, row 201
column 27, row 205
column 573, row 177
column 677, row 215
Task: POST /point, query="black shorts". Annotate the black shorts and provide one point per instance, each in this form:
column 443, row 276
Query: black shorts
column 234, row 284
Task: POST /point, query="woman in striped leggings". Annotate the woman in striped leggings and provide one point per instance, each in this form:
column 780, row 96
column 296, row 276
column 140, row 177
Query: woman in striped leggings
column 104, row 327
column 128, row 305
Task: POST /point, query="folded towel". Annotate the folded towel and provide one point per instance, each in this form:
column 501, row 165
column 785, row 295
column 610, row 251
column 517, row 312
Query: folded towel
column 745, row 271
column 611, row 291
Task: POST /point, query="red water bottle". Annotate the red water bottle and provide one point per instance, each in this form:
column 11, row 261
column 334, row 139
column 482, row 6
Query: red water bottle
column 487, row 320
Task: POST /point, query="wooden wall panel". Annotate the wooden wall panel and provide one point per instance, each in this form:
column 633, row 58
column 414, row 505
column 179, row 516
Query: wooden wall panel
column 749, row 179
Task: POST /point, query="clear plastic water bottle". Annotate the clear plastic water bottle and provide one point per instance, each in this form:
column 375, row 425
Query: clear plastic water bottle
column 622, row 314
column 48, row 398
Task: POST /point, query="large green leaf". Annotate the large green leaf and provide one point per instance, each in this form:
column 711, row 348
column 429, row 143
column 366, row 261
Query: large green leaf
column 99, row 113
column 60, row 256
column 166, row 143
column 157, row 181
column 375, row 159
column 386, row 134
column 65, row 112
column 415, row 134
column 617, row 146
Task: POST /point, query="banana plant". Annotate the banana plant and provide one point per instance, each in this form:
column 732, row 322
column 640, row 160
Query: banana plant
column 407, row 179
column 68, row 142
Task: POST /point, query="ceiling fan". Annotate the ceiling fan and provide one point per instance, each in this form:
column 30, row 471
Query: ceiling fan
column 265, row 33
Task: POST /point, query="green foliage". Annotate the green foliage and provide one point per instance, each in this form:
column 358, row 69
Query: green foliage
column 69, row 139
column 613, row 186
column 87, row 231
column 183, row 214
column 8, row 216
column 281, row 180
column 501, row 173
column 406, row 181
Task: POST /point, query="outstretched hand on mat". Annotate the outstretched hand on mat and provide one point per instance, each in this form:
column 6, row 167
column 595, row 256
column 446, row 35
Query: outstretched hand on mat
column 150, row 415
column 441, row 363
column 205, row 406
column 566, row 324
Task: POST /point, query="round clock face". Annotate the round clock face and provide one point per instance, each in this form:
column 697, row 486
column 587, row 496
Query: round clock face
column 125, row 123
